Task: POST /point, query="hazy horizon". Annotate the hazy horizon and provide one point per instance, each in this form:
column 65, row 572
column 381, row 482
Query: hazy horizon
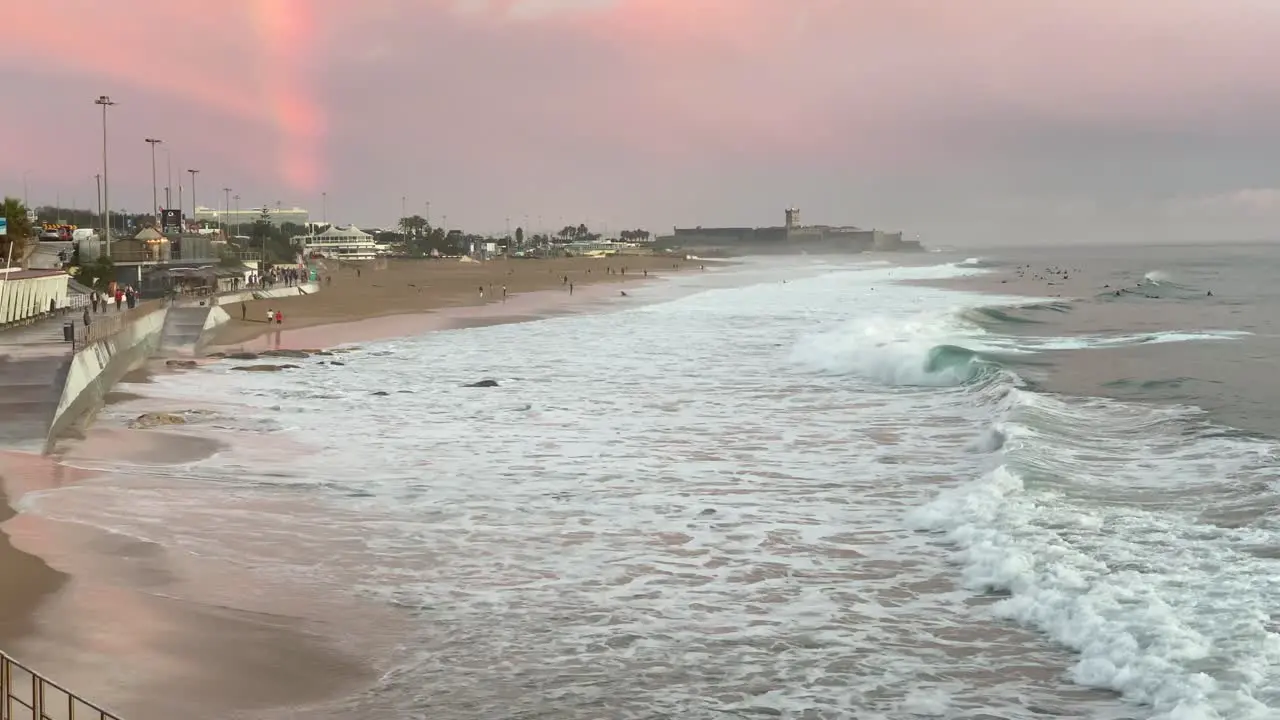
column 992, row 123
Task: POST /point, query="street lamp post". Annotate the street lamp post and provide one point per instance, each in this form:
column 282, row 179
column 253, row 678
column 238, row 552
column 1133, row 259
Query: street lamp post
column 193, row 195
column 324, row 207
column 168, row 188
column 237, row 215
column 155, row 195
column 26, row 201
column 227, row 207
column 105, row 101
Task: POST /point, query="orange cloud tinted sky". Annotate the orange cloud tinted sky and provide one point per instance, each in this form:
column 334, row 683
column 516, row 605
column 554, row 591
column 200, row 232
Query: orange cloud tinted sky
column 917, row 114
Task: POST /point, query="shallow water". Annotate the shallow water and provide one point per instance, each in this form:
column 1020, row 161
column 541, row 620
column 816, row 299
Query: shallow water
column 824, row 498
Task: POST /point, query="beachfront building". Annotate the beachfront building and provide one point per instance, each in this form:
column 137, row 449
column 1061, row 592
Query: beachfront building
column 246, row 217
column 349, row 243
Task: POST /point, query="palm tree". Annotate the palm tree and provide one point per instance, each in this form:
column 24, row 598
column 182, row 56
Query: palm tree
column 18, row 236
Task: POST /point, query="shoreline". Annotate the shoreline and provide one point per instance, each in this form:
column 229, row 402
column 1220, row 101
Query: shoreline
column 177, row 639
column 405, row 288
column 75, row 576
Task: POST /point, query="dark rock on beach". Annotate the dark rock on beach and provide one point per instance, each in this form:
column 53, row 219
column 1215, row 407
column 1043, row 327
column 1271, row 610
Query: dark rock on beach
column 483, row 383
column 264, row 368
column 296, row 354
column 241, row 356
column 380, row 393
column 183, row 364
column 150, row 420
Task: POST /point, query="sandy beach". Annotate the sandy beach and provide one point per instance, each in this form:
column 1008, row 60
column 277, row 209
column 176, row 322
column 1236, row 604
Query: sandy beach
column 357, row 292
column 149, row 631
column 67, row 584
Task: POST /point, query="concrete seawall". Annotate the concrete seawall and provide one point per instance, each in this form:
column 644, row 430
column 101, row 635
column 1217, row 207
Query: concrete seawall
column 96, row 368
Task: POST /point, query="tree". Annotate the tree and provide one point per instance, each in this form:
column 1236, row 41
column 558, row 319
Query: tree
column 18, row 237
column 519, row 237
column 98, row 274
column 581, row 231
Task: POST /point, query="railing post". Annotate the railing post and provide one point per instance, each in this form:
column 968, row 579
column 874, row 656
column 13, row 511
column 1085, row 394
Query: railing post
column 6, row 696
column 37, row 697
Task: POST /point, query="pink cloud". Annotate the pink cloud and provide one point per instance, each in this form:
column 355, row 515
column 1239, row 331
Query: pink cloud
column 532, row 99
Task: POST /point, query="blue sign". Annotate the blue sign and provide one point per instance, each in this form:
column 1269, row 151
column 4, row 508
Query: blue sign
column 4, row 226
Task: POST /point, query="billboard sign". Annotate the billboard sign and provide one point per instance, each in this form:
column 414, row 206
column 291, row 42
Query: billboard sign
column 4, row 226
column 170, row 221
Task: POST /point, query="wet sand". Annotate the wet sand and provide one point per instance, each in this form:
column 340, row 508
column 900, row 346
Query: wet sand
column 359, row 292
column 147, row 630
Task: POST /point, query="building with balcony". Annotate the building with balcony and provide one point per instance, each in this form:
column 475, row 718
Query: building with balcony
column 349, row 243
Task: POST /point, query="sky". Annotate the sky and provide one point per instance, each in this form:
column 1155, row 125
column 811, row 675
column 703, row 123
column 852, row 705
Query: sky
column 974, row 123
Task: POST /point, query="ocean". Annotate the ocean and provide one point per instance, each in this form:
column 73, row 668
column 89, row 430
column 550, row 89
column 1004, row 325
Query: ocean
column 794, row 487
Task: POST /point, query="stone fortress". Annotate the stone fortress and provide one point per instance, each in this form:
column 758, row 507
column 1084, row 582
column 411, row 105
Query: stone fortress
column 789, row 238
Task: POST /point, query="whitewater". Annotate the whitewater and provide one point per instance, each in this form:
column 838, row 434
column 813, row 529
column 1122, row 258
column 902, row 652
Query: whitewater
column 801, row 491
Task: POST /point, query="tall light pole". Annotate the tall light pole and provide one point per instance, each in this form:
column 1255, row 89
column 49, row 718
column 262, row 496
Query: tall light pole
column 26, row 201
column 98, row 177
column 428, row 213
column 105, row 101
column 237, row 215
column 324, row 207
column 155, row 195
column 193, row 195
column 227, row 205
column 168, row 188
column 404, row 219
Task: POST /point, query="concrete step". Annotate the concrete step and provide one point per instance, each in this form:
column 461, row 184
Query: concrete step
column 182, row 328
column 30, row 389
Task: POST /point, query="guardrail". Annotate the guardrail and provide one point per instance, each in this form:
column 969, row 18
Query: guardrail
column 27, row 695
column 169, row 258
column 109, row 322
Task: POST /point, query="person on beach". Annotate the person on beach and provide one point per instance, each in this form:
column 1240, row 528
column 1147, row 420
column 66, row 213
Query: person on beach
column 504, row 293
column 271, row 315
column 481, row 292
column 279, row 317
column 244, row 311
column 570, row 288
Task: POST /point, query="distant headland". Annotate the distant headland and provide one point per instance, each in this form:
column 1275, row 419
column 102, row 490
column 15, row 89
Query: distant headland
column 792, row 237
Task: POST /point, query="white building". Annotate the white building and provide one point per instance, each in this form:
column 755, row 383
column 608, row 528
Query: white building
column 246, row 217
column 350, row 243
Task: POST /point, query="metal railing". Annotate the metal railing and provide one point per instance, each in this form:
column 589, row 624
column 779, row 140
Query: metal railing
column 27, row 695
column 110, row 321
column 122, row 255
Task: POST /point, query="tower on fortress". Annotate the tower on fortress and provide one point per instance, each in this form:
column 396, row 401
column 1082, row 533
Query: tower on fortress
column 793, row 218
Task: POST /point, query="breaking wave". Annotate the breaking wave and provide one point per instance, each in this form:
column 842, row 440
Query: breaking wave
column 1113, row 528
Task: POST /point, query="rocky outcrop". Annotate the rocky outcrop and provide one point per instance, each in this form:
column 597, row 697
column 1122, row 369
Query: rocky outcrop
column 158, row 419
column 181, row 364
column 296, row 354
column 483, row 383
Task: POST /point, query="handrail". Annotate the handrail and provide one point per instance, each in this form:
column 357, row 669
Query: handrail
column 32, row 696
column 109, row 322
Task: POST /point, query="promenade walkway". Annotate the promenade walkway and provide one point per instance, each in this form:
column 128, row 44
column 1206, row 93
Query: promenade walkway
column 33, row 368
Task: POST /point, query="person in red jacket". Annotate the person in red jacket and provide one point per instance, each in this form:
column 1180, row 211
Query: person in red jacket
column 279, row 317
